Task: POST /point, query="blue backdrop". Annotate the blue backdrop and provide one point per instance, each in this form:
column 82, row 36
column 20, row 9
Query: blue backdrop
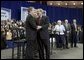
column 54, row 13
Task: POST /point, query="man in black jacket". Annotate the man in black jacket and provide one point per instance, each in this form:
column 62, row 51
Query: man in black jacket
column 74, row 33
column 43, row 35
column 67, row 32
column 30, row 33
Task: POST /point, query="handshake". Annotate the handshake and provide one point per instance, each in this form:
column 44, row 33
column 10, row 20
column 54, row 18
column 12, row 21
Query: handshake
column 39, row 27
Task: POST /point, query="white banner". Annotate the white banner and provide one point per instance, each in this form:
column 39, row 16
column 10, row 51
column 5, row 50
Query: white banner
column 5, row 14
column 24, row 13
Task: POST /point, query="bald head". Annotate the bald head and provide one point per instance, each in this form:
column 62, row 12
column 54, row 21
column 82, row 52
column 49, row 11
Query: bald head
column 66, row 21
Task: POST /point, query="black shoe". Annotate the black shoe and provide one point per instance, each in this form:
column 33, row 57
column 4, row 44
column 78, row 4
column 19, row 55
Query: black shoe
column 71, row 46
column 76, row 46
column 67, row 47
column 64, row 48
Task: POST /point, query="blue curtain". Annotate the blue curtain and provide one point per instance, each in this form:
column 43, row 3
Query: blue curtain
column 54, row 13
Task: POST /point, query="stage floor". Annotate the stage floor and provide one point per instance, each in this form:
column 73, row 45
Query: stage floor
column 72, row 53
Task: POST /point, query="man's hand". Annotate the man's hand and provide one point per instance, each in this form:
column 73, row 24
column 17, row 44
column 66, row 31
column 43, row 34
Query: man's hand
column 39, row 27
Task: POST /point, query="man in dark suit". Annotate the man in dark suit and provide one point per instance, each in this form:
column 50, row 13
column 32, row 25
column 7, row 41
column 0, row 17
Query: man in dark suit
column 74, row 33
column 31, row 32
column 43, row 35
column 67, row 32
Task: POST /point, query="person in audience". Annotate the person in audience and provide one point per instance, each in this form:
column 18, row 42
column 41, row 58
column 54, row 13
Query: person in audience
column 60, row 39
column 9, row 35
column 79, row 34
column 74, row 33
column 67, row 32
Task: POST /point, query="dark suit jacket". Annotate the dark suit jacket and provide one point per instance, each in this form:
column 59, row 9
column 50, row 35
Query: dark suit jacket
column 73, row 30
column 30, row 28
column 68, row 28
column 44, row 34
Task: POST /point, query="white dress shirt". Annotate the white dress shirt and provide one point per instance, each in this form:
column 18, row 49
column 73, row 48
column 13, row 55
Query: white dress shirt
column 59, row 29
column 75, row 26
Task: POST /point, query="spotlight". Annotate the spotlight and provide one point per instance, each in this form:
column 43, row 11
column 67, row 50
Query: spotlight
column 82, row 3
column 58, row 3
column 74, row 3
column 65, row 3
column 50, row 3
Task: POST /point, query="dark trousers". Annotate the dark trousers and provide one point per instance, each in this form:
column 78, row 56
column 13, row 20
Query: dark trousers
column 44, row 44
column 60, row 41
column 67, row 40
column 74, row 40
column 30, row 49
column 57, row 37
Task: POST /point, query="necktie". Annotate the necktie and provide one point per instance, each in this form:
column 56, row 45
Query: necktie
column 38, row 21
